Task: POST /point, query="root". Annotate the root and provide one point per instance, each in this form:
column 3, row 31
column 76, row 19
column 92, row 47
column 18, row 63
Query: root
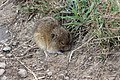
column 71, row 53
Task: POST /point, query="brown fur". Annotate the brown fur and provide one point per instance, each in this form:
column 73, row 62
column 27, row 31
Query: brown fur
column 50, row 37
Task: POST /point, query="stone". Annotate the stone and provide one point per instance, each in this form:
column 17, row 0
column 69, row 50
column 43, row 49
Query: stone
column 3, row 78
column 6, row 49
column 22, row 73
column 4, row 33
column 2, row 65
column 2, row 71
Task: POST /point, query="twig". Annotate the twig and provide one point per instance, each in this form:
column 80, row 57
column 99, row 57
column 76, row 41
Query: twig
column 22, row 62
column 4, row 4
column 26, row 67
column 27, row 51
column 71, row 53
column 30, row 17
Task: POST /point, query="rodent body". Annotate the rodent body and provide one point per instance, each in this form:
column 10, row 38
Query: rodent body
column 51, row 37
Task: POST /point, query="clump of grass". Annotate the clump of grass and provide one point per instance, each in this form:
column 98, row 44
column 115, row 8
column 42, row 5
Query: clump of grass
column 101, row 18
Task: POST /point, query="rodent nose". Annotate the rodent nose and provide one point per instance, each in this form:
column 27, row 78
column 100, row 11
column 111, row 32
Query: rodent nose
column 62, row 51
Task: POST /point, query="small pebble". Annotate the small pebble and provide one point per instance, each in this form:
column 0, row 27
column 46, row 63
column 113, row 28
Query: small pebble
column 90, row 58
column 1, row 55
column 34, row 65
column 2, row 72
column 15, row 43
column 61, row 76
column 3, row 78
column 66, row 78
column 41, row 62
column 22, row 73
column 9, row 55
column 2, row 65
column 49, row 73
column 6, row 49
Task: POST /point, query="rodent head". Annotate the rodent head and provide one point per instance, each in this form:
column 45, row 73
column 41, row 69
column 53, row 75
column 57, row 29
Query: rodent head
column 60, row 40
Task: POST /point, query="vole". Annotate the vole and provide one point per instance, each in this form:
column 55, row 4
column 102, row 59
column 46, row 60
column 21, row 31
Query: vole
column 51, row 37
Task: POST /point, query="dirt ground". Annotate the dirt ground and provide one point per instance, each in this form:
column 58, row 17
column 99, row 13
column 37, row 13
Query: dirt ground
column 86, row 63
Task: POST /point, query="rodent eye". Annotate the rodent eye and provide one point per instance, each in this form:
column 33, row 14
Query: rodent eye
column 62, row 43
column 52, row 35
